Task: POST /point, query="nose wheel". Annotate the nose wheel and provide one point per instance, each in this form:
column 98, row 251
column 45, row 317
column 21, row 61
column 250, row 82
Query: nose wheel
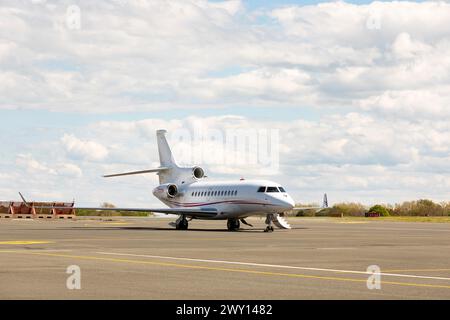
column 233, row 224
column 269, row 227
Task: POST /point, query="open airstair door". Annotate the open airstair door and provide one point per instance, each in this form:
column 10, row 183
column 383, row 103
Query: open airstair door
column 280, row 222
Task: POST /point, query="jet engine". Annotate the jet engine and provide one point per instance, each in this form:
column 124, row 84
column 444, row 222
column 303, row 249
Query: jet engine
column 171, row 190
column 167, row 190
column 198, row 172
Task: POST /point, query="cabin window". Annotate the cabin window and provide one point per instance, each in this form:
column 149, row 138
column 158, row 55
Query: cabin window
column 235, row 192
column 272, row 189
column 262, row 189
column 281, row 189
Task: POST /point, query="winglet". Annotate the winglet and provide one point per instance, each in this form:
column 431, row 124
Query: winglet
column 24, row 201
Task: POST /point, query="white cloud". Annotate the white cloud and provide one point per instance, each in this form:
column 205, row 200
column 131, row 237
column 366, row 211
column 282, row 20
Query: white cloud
column 31, row 165
column 382, row 89
column 405, row 47
column 69, row 170
column 83, row 149
column 155, row 55
column 352, row 157
column 35, row 167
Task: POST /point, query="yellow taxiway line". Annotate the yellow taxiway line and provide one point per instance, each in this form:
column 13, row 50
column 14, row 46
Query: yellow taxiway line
column 19, row 242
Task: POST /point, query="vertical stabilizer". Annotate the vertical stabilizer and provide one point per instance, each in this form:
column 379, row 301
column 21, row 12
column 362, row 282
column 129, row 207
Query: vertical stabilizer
column 168, row 171
column 165, row 154
column 325, row 201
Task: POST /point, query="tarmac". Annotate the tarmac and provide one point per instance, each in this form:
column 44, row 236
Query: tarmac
column 144, row 258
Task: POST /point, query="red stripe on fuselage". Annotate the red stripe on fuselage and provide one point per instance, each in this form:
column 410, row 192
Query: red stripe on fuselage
column 200, row 204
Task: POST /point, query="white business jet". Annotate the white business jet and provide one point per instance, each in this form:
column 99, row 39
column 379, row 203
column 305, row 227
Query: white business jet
column 188, row 194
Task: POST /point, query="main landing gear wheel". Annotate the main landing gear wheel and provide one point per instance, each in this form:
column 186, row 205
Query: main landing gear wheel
column 268, row 229
column 233, row 224
column 182, row 224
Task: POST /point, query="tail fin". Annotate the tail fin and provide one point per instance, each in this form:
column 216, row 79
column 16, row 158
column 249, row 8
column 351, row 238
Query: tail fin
column 165, row 154
column 168, row 171
column 325, row 201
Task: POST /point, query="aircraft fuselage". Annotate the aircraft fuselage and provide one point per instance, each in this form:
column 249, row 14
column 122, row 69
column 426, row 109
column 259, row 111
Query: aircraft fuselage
column 229, row 199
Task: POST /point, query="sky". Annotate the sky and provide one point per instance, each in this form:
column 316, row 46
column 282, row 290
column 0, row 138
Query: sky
column 358, row 93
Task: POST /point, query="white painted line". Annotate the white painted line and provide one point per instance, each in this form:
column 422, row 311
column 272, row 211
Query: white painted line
column 364, row 228
column 337, row 248
column 272, row 265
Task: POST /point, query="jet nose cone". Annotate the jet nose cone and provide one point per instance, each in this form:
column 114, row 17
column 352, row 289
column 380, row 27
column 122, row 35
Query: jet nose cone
column 281, row 202
column 287, row 203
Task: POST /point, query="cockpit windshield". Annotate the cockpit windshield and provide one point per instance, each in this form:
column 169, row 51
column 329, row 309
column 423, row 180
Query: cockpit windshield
column 271, row 189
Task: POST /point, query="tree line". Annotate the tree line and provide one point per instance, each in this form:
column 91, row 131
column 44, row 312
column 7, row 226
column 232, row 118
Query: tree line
column 422, row 207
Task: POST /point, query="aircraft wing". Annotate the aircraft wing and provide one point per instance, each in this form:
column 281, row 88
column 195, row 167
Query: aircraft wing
column 307, row 208
column 190, row 212
column 324, row 205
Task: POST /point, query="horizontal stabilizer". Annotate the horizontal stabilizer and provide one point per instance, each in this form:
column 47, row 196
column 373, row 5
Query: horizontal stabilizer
column 135, row 172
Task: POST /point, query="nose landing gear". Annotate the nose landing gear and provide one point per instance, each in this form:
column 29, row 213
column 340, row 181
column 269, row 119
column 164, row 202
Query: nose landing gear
column 269, row 227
